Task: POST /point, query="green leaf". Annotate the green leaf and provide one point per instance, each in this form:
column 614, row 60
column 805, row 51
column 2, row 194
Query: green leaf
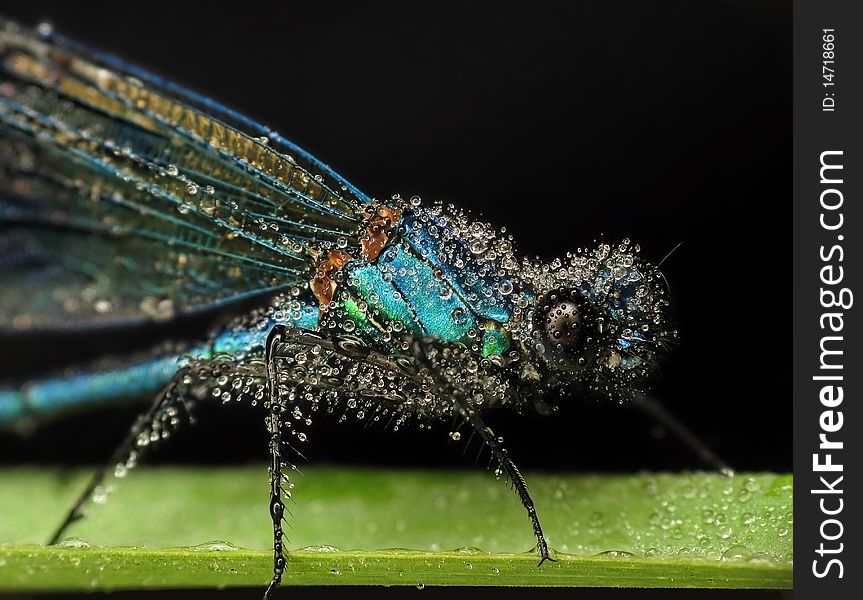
column 392, row 527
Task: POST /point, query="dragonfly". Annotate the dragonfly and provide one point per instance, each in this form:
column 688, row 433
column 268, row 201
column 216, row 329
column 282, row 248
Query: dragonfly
column 126, row 199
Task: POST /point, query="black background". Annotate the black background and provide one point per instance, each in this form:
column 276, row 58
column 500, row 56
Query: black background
column 564, row 122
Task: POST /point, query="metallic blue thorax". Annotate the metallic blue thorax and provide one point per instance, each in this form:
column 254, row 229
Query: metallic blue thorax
column 413, row 284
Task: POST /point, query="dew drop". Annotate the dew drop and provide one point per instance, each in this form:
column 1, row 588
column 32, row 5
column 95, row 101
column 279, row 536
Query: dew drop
column 215, row 546
column 736, row 552
column 45, row 29
column 478, row 246
column 74, row 542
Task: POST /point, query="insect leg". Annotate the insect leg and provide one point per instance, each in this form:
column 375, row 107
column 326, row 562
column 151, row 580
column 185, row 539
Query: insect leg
column 654, row 408
column 438, row 357
column 161, row 417
column 514, row 475
column 275, row 405
column 274, row 425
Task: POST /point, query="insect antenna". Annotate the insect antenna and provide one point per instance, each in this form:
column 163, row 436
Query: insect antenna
column 659, row 264
column 655, row 409
column 670, row 252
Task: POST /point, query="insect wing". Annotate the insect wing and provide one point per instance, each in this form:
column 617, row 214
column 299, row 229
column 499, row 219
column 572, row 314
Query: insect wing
column 124, row 197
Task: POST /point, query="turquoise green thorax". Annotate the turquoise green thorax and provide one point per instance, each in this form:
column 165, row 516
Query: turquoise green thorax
column 402, row 288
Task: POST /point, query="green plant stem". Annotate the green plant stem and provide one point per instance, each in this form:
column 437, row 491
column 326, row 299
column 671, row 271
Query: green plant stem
column 646, row 530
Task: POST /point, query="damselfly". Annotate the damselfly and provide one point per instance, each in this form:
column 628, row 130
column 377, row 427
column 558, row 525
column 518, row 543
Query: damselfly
column 126, row 199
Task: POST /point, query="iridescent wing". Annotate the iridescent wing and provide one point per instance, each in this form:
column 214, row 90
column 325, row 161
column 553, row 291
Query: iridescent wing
column 124, row 197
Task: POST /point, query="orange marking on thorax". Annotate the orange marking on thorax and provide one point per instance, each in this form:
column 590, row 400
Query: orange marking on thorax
column 377, row 233
column 323, row 286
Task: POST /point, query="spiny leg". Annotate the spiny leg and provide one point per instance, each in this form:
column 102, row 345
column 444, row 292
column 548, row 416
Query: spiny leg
column 129, row 447
column 459, row 392
column 331, row 364
column 511, row 470
column 655, row 409
column 274, row 424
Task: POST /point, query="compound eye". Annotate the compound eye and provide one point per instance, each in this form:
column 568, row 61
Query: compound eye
column 566, row 325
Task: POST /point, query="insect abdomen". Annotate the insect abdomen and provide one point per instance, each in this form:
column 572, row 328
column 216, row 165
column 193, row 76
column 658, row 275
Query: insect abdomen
column 55, row 395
